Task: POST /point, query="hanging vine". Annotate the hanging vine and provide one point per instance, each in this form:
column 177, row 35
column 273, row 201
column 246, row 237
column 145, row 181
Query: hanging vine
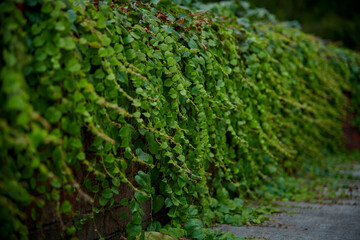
column 211, row 105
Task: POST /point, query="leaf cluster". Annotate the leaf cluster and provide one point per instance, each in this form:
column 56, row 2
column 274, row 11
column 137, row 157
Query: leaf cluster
column 207, row 107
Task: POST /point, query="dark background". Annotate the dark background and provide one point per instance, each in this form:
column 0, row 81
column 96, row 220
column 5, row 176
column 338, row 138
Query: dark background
column 335, row 20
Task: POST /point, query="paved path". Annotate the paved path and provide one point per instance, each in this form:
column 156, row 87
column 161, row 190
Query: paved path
column 339, row 221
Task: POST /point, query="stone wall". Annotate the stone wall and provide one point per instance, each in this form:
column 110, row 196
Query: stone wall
column 109, row 224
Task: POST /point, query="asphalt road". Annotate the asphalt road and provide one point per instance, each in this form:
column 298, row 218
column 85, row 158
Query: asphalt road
column 336, row 221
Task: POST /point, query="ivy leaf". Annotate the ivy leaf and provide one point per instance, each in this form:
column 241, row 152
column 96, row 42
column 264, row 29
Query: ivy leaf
column 55, row 195
column 130, row 54
column 67, row 43
column 102, row 201
column 136, row 103
column 107, row 193
column 53, row 115
column 168, row 202
column 102, row 52
column 75, row 143
column 47, row 7
column 133, row 230
column 158, row 203
column 124, row 202
column 121, row 76
column 169, row 40
column 157, row 235
column 143, row 180
column 154, row 226
column 193, row 211
column 164, row 145
column 73, row 65
column 110, row 158
column 59, row 26
column 154, row 146
column 192, row 44
column 170, row 61
column 66, row 207
column 143, row 156
column 128, row 39
column 71, row 230
column 169, row 29
column 141, row 196
column 72, row 15
column 174, row 232
column 195, row 228
column 125, row 134
column 101, row 23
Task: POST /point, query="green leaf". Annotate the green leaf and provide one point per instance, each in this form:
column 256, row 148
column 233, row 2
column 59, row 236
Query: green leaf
column 110, row 158
column 135, row 35
column 154, row 226
column 164, row 145
column 53, row 115
column 157, row 236
column 183, row 92
column 154, row 146
column 55, row 195
column 101, row 23
column 73, row 65
column 169, row 40
column 105, row 40
column 193, row 211
column 75, row 143
column 39, row 41
column 47, row 7
column 170, row 61
column 195, row 228
column 143, row 156
column 116, row 181
column 128, row 39
column 212, row 43
column 174, row 232
column 192, row 44
column 71, row 230
column 133, row 230
column 141, row 196
column 124, row 202
column 102, row 52
column 66, row 207
column 72, row 15
column 173, row 93
column 168, row 202
column 81, row 156
column 130, row 54
column 59, row 26
column 103, row 201
column 107, row 193
column 143, row 180
column 169, row 29
column 67, row 43
column 136, row 103
column 15, row 102
column 158, row 203
column 33, row 213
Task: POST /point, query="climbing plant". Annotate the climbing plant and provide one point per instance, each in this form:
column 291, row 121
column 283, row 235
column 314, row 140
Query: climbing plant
column 213, row 102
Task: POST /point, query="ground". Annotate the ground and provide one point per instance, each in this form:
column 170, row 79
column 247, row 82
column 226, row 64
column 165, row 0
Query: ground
column 334, row 220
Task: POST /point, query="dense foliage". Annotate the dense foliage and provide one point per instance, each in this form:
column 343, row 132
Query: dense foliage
column 215, row 105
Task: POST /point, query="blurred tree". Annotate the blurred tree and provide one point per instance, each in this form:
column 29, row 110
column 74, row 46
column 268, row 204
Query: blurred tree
column 338, row 21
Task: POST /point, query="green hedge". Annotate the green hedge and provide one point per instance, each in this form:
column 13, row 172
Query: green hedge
column 217, row 105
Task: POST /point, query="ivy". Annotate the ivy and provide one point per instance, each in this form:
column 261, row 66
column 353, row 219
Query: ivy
column 209, row 107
